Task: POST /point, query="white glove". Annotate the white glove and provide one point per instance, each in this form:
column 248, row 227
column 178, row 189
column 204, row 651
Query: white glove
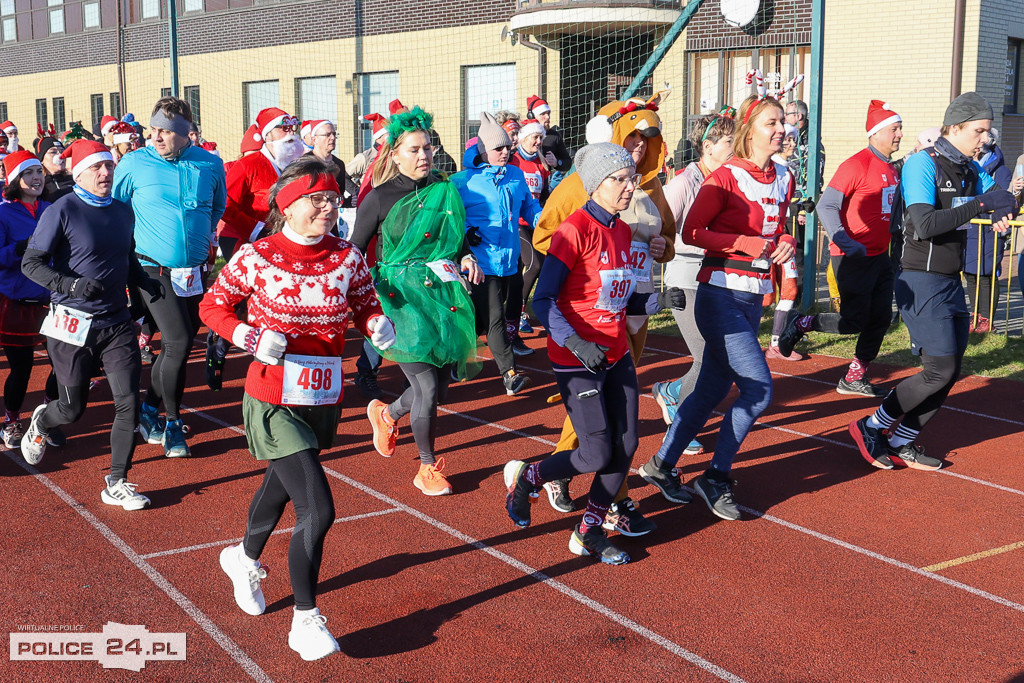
column 268, row 346
column 551, row 159
column 382, row 331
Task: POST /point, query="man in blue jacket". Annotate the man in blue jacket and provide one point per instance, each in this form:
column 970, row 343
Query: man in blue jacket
column 178, row 193
column 496, row 196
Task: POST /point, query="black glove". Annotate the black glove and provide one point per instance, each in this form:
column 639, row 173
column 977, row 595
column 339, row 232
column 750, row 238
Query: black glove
column 473, row 237
column 673, row 297
column 590, row 354
column 806, row 205
column 86, row 289
column 999, row 203
column 154, row 288
column 20, row 246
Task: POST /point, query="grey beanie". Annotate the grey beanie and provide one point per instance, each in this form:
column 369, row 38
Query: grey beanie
column 970, row 106
column 491, row 135
column 596, row 162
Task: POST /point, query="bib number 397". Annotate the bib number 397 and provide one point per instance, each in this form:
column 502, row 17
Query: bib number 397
column 616, row 287
column 66, row 324
column 311, row 380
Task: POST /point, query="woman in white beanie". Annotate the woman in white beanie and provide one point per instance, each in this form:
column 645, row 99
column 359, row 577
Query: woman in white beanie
column 586, row 289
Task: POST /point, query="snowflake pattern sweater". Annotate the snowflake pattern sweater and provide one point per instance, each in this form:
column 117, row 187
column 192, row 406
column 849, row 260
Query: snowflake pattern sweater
column 305, row 292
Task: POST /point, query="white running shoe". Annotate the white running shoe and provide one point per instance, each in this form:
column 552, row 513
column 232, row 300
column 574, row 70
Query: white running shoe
column 124, row 494
column 245, row 577
column 33, row 442
column 309, row 636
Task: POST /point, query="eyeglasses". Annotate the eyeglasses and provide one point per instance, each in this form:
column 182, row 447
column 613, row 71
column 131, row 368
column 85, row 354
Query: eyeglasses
column 626, row 180
column 792, row 113
column 503, row 148
column 326, row 135
column 322, row 199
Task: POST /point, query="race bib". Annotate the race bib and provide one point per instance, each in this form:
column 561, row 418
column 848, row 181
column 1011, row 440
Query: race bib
column 960, row 201
column 888, row 193
column 66, row 324
column 311, row 380
column 616, row 287
column 445, row 270
column 640, row 260
column 187, row 281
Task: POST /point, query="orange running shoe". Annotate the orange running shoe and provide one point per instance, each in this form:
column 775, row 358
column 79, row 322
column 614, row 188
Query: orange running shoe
column 430, row 480
column 385, row 431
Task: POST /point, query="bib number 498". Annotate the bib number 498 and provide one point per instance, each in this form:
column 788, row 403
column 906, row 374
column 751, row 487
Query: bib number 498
column 315, row 379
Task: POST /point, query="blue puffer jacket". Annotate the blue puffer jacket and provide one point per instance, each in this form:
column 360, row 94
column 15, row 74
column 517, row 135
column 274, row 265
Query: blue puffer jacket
column 16, row 224
column 496, row 197
column 177, row 203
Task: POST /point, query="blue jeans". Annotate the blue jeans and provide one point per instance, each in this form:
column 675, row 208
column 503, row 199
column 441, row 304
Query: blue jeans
column 369, row 360
column 728, row 320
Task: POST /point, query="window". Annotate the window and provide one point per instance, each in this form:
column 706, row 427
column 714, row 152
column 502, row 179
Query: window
column 56, row 15
column 96, row 106
column 317, row 98
column 1012, row 83
column 8, row 24
column 41, row 112
column 3, row 111
column 192, row 97
column 165, row 92
column 115, row 105
column 488, row 88
column 91, row 14
column 58, row 113
column 375, row 91
column 194, row 6
column 256, row 96
column 150, row 9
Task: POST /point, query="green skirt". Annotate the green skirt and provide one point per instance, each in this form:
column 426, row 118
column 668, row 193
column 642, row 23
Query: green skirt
column 277, row 431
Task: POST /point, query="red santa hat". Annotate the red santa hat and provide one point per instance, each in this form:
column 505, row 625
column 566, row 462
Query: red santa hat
column 531, row 127
column 379, row 125
column 7, row 127
column 85, row 153
column 272, row 117
column 880, row 116
column 536, row 105
column 123, row 132
column 251, row 140
column 106, row 123
column 310, row 127
column 17, row 163
column 396, row 107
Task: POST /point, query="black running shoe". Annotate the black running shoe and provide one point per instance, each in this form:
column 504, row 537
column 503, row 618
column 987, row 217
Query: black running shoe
column 859, row 387
column 214, row 368
column 625, row 517
column 872, row 443
column 147, row 355
column 558, row 495
column 368, row 387
column 595, row 542
column 56, row 437
column 518, row 499
column 718, row 496
column 909, row 455
column 515, row 382
column 519, row 347
column 667, row 482
column 790, row 335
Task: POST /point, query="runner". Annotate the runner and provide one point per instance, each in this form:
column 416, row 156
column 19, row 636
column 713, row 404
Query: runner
column 856, row 210
column 82, row 252
column 496, row 197
column 177, row 192
column 736, row 217
column 584, row 294
column 23, row 303
column 300, row 284
column 943, row 189
column 419, row 221
column 58, row 182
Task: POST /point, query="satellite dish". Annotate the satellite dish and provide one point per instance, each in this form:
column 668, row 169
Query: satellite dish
column 740, row 13
column 504, row 33
column 514, row 38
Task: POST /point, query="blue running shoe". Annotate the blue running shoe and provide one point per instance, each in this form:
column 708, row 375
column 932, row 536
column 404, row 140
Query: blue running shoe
column 668, row 405
column 524, row 324
column 151, row 425
column 174, row 440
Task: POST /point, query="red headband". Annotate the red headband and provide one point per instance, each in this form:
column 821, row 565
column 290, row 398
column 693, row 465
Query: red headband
column 287, row 195
column 750, row 110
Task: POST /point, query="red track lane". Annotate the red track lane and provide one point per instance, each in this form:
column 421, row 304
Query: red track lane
column 823, row 587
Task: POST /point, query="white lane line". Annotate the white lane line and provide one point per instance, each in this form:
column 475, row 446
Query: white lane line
column 232, row 541
column 546, row 580
column 198, row 616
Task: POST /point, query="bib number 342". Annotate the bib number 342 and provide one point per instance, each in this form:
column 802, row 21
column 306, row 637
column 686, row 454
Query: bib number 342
column 311, row 380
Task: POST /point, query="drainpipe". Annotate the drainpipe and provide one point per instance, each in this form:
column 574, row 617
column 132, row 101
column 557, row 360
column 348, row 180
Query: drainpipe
column 958, row 49
column 542, row 66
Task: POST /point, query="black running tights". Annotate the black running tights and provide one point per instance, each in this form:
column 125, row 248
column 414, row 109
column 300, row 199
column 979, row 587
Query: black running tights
column 19, row 360
column 176, row 318
column 298, row 478
column 428, row 386
column 920, row 396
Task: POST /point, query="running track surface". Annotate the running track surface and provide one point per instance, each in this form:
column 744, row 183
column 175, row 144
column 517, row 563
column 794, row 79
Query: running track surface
column 837, row 572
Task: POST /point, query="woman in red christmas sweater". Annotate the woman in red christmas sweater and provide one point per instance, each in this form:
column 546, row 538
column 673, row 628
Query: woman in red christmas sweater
column 738, row 216
column 300, row 284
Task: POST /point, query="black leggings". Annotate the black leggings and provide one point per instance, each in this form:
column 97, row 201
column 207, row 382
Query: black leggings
column 606, row 425
column 177, row 318
column 220, row 346
column 920, row 396
column 489, row 298
column 984, row 302
column 19, row 363
column 530, row 261
column 300, row 478
column 428, row 386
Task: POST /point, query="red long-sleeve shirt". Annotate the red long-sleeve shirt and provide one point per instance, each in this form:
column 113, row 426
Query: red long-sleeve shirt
column 248, row 183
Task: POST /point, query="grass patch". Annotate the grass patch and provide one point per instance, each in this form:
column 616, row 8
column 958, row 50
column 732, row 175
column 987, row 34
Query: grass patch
column 988, row 355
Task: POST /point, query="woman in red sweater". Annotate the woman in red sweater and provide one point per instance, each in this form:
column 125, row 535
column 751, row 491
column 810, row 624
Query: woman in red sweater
column 300, row 284
column 738, row 216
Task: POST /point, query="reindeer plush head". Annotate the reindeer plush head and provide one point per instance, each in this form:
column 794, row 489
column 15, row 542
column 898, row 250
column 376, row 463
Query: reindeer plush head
column 616, row 120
